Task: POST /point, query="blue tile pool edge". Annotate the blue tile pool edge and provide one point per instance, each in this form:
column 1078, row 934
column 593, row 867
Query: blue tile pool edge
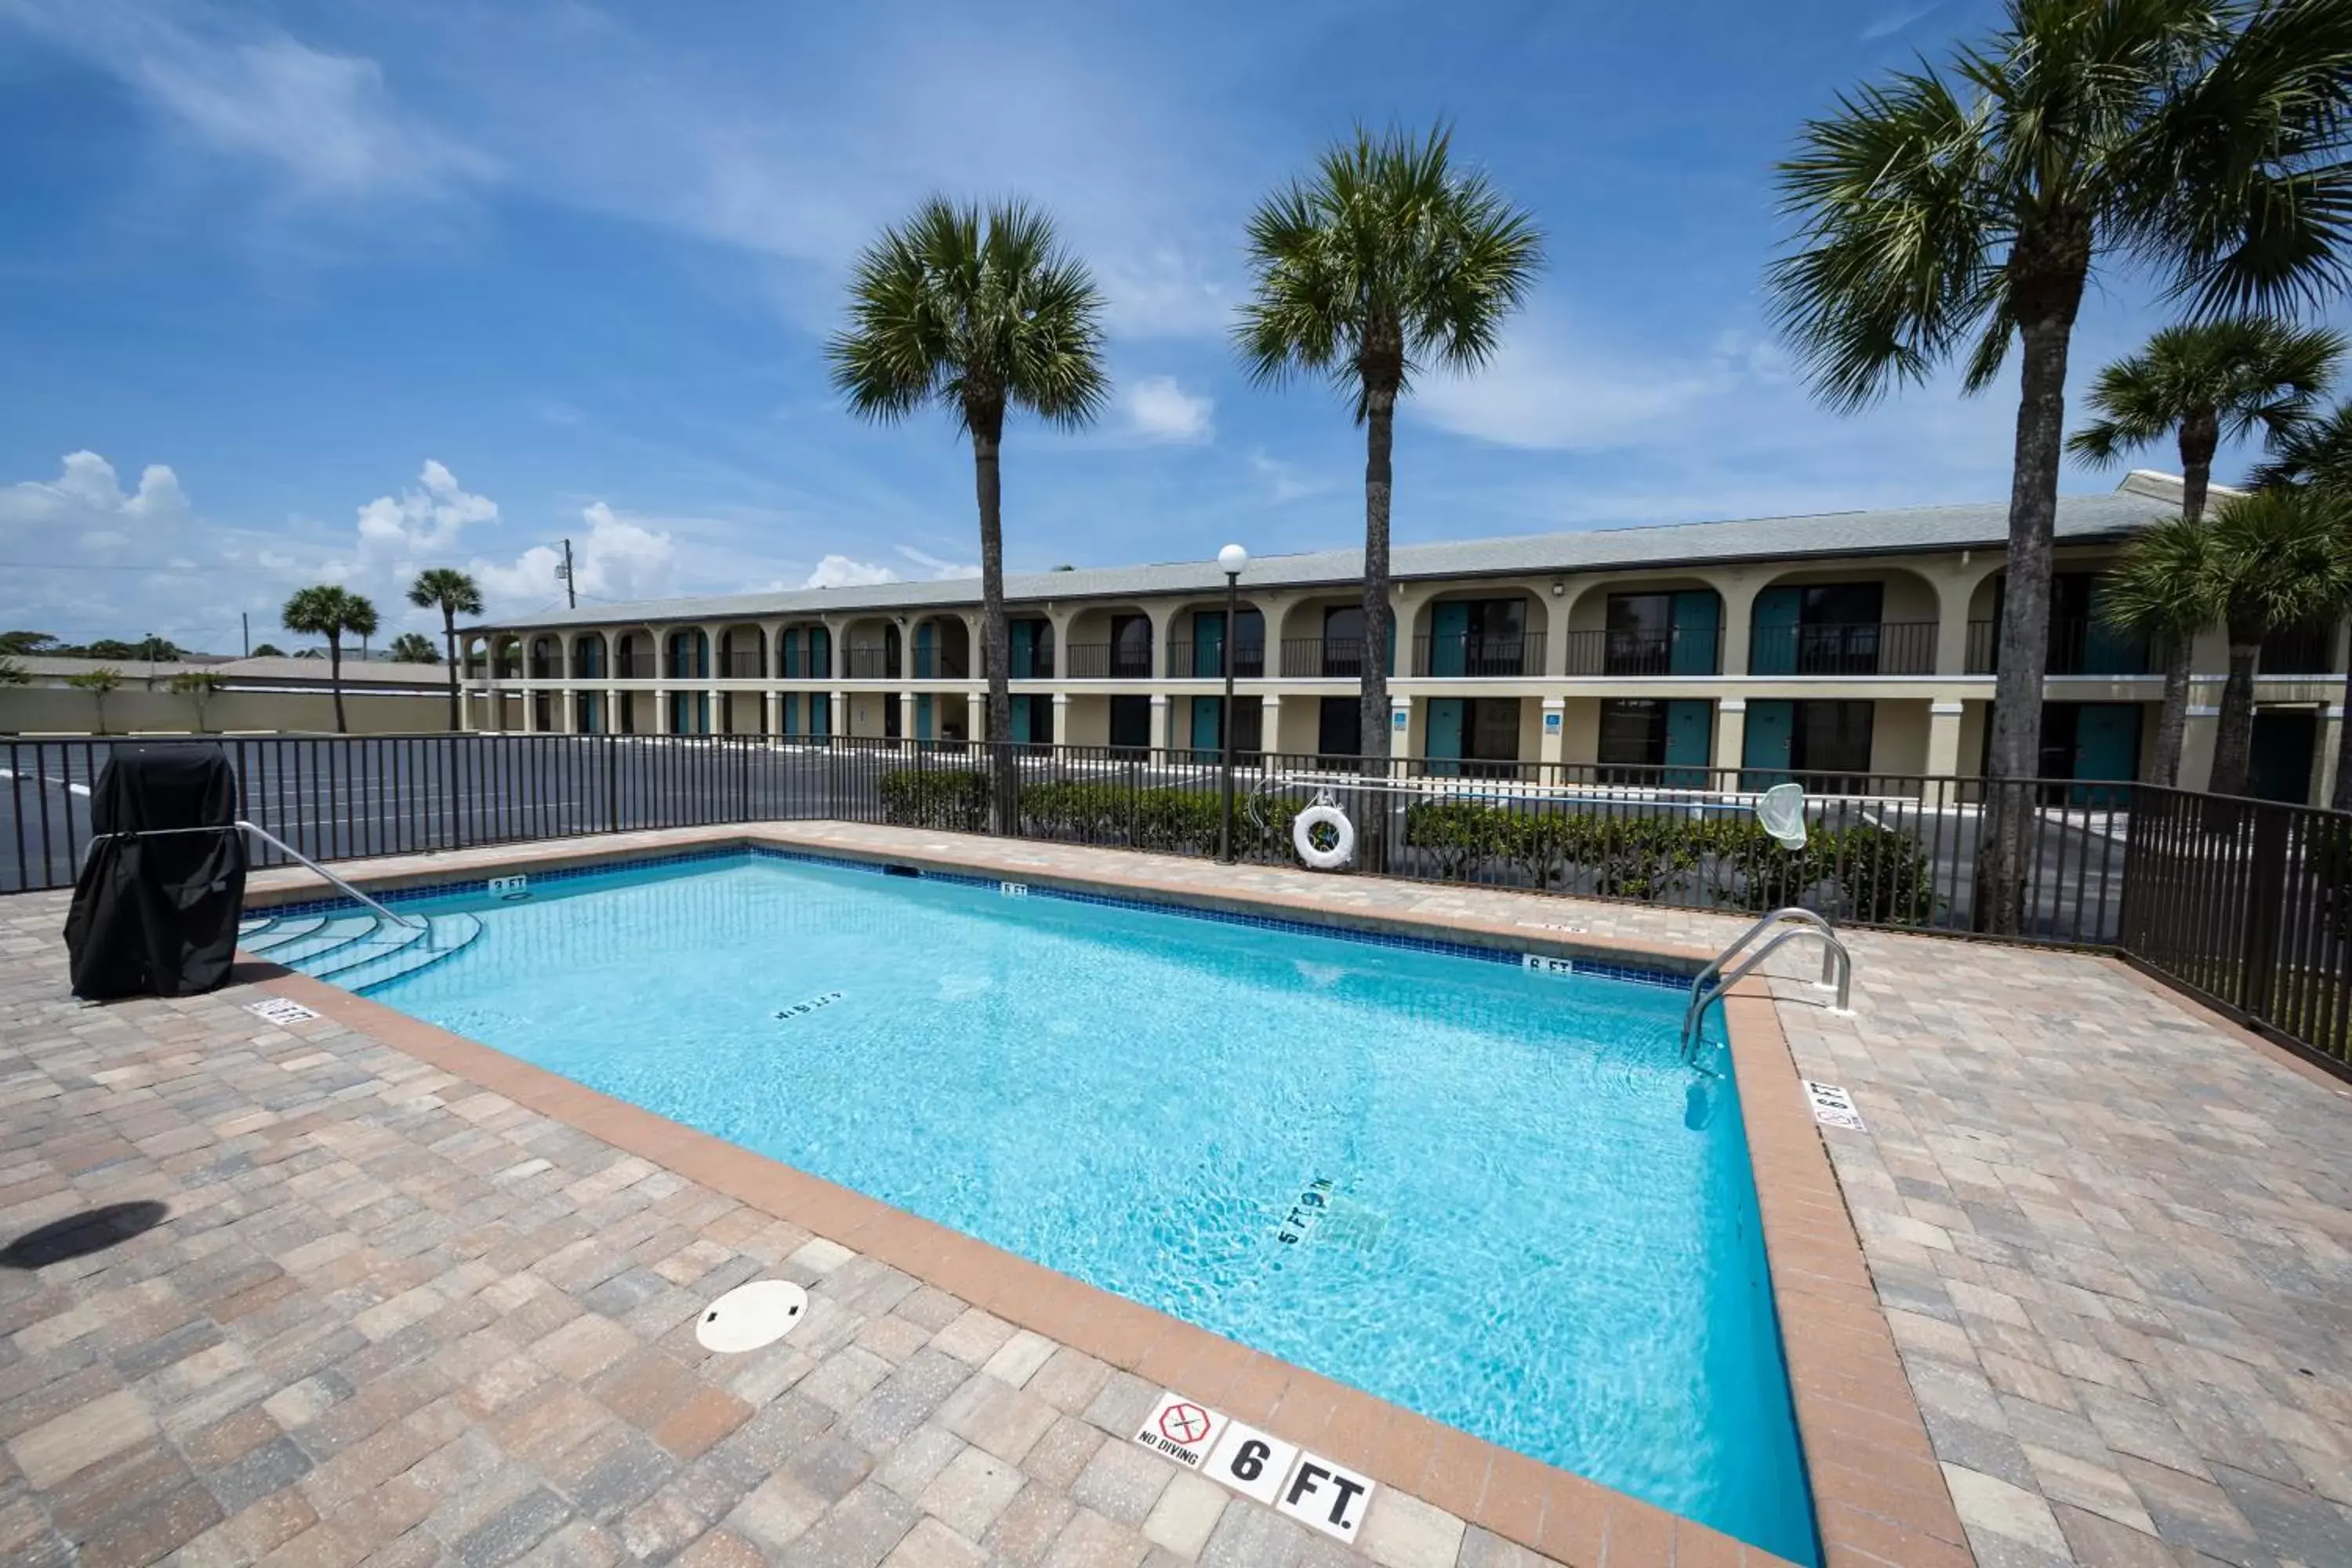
column 1374, row 933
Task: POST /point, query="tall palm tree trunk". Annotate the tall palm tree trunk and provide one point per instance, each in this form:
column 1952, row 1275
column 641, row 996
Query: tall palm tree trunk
column 2173, row 713
column 2200, row 434
column 1373, row 702
column 987, row 440
column 335, row 675
column 2016, row 745
column 449, row 640
column 2233, row 734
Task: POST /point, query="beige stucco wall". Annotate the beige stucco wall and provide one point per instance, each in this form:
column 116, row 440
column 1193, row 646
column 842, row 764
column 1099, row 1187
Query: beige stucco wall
column 38, row 709
column 1899, row 737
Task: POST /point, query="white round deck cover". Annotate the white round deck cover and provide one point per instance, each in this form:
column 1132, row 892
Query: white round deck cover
column 752, row 1315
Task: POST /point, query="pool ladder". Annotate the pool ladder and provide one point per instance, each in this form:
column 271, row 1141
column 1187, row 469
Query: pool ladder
column 1837, row 966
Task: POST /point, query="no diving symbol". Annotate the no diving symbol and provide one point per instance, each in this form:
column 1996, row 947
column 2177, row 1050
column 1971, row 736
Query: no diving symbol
column 1183, row 1422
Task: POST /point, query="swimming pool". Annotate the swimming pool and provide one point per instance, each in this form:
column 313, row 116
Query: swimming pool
column 1489, row 1195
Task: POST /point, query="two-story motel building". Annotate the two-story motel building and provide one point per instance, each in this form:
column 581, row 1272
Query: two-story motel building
column 1853, row 643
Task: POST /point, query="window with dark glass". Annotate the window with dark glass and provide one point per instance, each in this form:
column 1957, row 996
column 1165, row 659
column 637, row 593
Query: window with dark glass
column 1131, row 649
column 1131, row 717
column 1337, row 732
column 1632, row 732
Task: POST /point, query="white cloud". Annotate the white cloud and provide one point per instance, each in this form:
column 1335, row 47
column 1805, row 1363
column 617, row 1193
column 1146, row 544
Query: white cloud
column 1161, row 411
column 86, row 496
column 617, row 560
column 841, row 571
column 429, row 517
column 1549, row 390
column 940, row 569
column 327, row 124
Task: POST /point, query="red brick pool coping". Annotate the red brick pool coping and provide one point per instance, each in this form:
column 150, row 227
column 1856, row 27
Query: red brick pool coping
column 1878, row 1493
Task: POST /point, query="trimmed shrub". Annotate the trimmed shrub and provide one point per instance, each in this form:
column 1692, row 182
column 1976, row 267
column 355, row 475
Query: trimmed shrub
column 951, row 798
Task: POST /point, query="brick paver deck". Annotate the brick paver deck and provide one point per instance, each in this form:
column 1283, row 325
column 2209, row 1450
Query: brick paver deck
column 396, row 1317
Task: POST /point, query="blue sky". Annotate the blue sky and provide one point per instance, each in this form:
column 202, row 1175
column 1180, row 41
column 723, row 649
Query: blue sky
column 292, row 293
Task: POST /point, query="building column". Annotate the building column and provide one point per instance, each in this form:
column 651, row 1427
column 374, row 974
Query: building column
column 1943, row 751
column 1269, row 725
column 661, row 712
column 567, row 719
column 1554, row 745
column 614, row 697
column 1159, row 720
column 1731, row 732
column 720, row 714
column 1061, row 717
column 2331, row 729
column 770, row 708
column 905, row 699
column 839, row 719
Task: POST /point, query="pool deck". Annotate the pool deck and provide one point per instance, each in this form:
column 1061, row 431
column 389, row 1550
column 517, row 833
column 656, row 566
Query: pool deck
column 419, row 1302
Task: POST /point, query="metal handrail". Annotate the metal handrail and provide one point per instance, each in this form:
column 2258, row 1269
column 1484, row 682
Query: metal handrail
column 1837, row 965
column 241, row 824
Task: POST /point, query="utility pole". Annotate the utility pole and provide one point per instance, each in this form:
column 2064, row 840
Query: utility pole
column 244, row 624
column 571, row 595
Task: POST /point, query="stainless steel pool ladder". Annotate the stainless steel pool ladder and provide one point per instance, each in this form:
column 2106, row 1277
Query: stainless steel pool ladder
column 240, row 825
column 1837, row 965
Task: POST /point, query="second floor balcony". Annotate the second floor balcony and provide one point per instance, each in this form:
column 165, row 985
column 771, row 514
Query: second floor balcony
column 870, row 661
column 1206, row 661
column 1684, row 651
column 1324, row 659
column 2078, row 647
column 1474, row 657
column 1108, row 662
column 741, row 664
column 1864, row 647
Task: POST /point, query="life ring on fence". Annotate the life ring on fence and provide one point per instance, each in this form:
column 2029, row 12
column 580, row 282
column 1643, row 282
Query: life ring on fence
column 1343, row 836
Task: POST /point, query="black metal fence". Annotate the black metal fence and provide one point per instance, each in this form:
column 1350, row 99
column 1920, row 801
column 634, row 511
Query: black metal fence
column 2246, row 904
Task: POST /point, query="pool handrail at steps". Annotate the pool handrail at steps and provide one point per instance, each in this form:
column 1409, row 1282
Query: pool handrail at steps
column 257, row 831
column 1837, row 965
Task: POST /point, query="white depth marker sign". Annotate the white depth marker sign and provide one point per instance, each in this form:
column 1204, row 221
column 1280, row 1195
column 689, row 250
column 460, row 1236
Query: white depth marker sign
column 1180, row 1430
column 1323, row 1496
column 280, row 1010
column 1252, row 1462
column 1833, row 1107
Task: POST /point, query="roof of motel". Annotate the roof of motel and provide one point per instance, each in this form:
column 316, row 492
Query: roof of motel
column 2141, row 499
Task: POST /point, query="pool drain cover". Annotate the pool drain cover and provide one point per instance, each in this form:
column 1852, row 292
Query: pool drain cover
column 752, row 1315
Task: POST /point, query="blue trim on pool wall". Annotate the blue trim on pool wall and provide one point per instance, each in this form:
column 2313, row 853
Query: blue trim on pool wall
column 1597, row 968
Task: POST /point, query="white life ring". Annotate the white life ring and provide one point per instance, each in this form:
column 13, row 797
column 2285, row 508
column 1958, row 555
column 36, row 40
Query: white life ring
column 1343, row 836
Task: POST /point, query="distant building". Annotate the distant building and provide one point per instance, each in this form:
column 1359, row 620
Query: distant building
column 270, row 695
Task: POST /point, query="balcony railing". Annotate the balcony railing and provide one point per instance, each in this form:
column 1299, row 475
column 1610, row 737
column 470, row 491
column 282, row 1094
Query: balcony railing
column 1684, row 651
column 743, row 664
column 688, row 669
column 543, row 669
column 1311, row 658
column 871, row 661
column 1858, row 647
column 1205, row 661
column 1031, row 663
column 633, row 667
column 2078, row 647
column 1469, row 655
column 1108, row 662
column 2298, row 650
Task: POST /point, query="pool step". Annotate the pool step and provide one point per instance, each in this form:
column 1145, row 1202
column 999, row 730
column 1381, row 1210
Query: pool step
column 359, row 950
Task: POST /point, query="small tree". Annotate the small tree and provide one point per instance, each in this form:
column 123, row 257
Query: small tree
column 328, row 611
column 22, row 642
column 99, row 683
column 2278, row 558
column 267, row 650
column 199, row 687
column 12, row 673
column 414, row 648
column 454, row 594
column 2163, row 589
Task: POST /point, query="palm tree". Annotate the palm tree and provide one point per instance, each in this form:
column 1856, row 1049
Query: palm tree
column 2204, row 382
column 99, row 683
column 2316, row 451
column 328, row 611
column 2278, row 558
column 975, row 312
column 414, row 648
column 454, row 594
column 1387, row 260
column 1947, row 212
column 2163, row 589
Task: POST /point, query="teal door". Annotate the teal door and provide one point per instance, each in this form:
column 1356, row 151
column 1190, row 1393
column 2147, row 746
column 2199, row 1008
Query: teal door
column 922, row 708
column 820, row 656
column 925, row 636
column 1772, row 636
column 1443, row 744
column 1020, row 718
column 1449, row 648
column 2284, row 742
column 790, row 702
column 820, row 713
column 2106, row 746
column 1208, row 645
column 1207, row 735
column 1690, row 737
column 1024, row 663
column 1771, row 733
column 1693, row 643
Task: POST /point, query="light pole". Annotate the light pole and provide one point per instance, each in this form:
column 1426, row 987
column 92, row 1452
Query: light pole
column 1230, row 560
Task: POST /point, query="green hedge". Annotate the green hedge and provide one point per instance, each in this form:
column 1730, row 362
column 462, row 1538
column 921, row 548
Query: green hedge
column 952, row 798
column 1862, row 872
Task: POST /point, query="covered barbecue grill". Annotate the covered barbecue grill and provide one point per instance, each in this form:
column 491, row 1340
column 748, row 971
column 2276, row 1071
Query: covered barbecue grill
column 155, row 909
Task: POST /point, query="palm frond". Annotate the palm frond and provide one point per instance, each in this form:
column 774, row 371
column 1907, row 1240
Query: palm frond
column 2281, row 557
column 2164, row 585
column 2315, row 451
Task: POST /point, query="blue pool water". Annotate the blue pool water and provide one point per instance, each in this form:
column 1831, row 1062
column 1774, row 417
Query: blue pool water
column 1533, row 1228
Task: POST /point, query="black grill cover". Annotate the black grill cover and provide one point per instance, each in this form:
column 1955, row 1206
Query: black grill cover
column 155, row 914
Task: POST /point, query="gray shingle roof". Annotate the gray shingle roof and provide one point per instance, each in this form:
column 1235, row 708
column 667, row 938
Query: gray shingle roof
column 1903, row 529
